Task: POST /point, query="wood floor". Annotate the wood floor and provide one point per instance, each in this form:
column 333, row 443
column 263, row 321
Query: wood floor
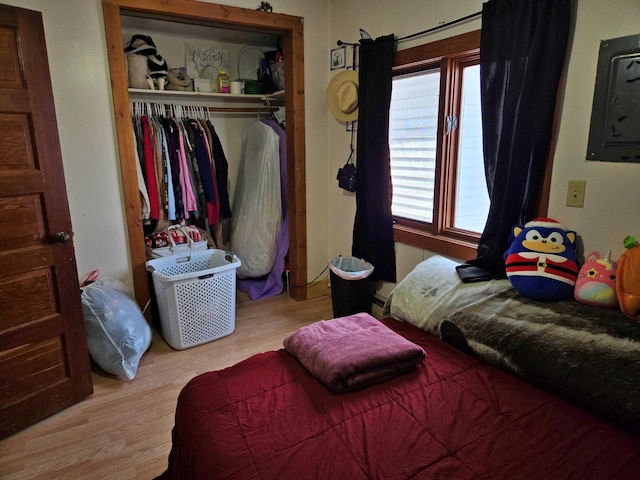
column 123, row 430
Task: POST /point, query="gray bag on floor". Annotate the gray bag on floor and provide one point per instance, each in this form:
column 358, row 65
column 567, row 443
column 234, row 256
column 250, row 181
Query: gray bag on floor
column 117, row 332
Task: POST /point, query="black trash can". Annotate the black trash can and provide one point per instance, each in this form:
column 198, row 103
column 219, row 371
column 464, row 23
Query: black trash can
column 351, row 288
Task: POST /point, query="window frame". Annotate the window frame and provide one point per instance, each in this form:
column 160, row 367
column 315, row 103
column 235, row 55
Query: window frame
column 450, row 155
column 450, row 56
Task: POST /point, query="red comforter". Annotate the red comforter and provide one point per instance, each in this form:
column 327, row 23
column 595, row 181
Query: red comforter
column 453, row 417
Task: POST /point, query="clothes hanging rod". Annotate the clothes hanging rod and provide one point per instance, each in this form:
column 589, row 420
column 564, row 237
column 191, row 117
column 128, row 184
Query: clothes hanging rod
column 424, row 32
column 243, row 109
column 230, row 109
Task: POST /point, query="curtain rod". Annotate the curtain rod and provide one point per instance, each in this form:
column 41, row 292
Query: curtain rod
column 430, row 30
column 444, row 25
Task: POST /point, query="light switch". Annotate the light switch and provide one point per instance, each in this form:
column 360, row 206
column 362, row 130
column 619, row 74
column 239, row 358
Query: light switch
column 575, row 193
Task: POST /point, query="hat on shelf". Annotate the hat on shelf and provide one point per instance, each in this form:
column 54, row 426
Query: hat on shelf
column 342, row 96
column 142, row 45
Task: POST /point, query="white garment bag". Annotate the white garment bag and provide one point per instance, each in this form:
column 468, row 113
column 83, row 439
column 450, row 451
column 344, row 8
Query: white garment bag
column 257, row 205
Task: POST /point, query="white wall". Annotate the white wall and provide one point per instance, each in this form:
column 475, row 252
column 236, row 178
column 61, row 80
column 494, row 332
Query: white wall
column 612, row 203
column 82, row 96
column 74, row 33
column 81, row 87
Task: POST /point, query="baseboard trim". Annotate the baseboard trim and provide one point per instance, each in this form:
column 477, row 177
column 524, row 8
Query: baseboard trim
column 318, row 288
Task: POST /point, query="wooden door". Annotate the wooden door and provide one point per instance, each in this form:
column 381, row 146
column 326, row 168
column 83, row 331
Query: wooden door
column 44, row 363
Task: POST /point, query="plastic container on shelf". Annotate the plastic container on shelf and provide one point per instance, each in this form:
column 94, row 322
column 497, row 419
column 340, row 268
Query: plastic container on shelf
column 196, row 295
column 253, row 87
column 224, row 84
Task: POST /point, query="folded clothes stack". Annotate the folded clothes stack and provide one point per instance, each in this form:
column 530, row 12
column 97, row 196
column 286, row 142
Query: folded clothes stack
column 175, row 240
column 193, row 233
column 178, row 236
column 352, row 352
column 157, row 240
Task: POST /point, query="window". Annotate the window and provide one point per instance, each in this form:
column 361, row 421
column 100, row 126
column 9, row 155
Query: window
column 440, row 199
column 413, row 136
column 472, row 198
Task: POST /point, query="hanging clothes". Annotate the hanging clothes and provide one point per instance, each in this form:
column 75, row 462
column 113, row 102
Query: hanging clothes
column 222, row 172
column 272, row 283
column 177, row 171
column 173, row 164
column 188, row 197
column 257, row 205
column 149, row 175
column 203, row 160
column 142, row 187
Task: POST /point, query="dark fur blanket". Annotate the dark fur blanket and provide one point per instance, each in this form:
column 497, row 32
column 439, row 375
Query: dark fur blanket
column 587, row 355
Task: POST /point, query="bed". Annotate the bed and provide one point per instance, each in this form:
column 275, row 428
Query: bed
column 468, row 410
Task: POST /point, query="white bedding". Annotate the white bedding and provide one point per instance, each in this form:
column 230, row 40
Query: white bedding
column 433, row 290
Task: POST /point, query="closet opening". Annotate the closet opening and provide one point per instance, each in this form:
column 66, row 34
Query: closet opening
column 204, row 21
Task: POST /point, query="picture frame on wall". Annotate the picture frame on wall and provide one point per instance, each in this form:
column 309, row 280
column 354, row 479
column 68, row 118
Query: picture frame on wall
column 205, row 61
column 338, row 57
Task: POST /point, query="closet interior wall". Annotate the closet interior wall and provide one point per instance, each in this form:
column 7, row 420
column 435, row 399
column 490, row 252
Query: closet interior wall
column 171, row 26
column 170, row 39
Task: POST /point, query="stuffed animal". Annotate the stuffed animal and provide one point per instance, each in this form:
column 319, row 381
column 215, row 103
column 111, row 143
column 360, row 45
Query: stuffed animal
column 137, row 71
column 628, row 279
column 179, row 80
column 596, row 284
column 541, row 261
column 143, row 45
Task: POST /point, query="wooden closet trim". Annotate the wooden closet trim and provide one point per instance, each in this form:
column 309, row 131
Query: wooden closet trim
column 200, row 13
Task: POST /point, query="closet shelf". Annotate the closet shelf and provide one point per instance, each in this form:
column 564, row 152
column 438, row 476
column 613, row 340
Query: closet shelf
column 139, row 93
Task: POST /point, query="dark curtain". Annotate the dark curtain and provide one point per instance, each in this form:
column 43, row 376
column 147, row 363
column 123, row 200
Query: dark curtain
column 522, row 51
column 373, row 227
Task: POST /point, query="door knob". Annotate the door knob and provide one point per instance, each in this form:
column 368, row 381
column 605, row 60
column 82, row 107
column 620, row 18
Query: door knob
column 63, row 237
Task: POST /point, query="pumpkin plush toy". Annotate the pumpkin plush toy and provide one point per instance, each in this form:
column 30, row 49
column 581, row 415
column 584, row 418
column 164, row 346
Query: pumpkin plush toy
column 628, row 279
column 541, row 260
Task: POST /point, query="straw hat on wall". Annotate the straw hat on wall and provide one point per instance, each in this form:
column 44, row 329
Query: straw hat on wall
column 342, row 96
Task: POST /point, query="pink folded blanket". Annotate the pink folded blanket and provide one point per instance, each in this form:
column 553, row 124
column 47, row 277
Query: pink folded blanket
column 352, row 352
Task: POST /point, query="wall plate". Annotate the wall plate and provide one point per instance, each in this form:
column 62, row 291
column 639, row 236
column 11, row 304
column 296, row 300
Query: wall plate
column 575, row 193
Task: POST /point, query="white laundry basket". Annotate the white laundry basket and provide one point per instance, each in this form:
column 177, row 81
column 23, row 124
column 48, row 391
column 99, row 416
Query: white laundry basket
column 196, row 295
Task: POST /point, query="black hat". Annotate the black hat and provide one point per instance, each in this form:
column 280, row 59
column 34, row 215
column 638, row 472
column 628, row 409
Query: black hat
column 141, row 44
